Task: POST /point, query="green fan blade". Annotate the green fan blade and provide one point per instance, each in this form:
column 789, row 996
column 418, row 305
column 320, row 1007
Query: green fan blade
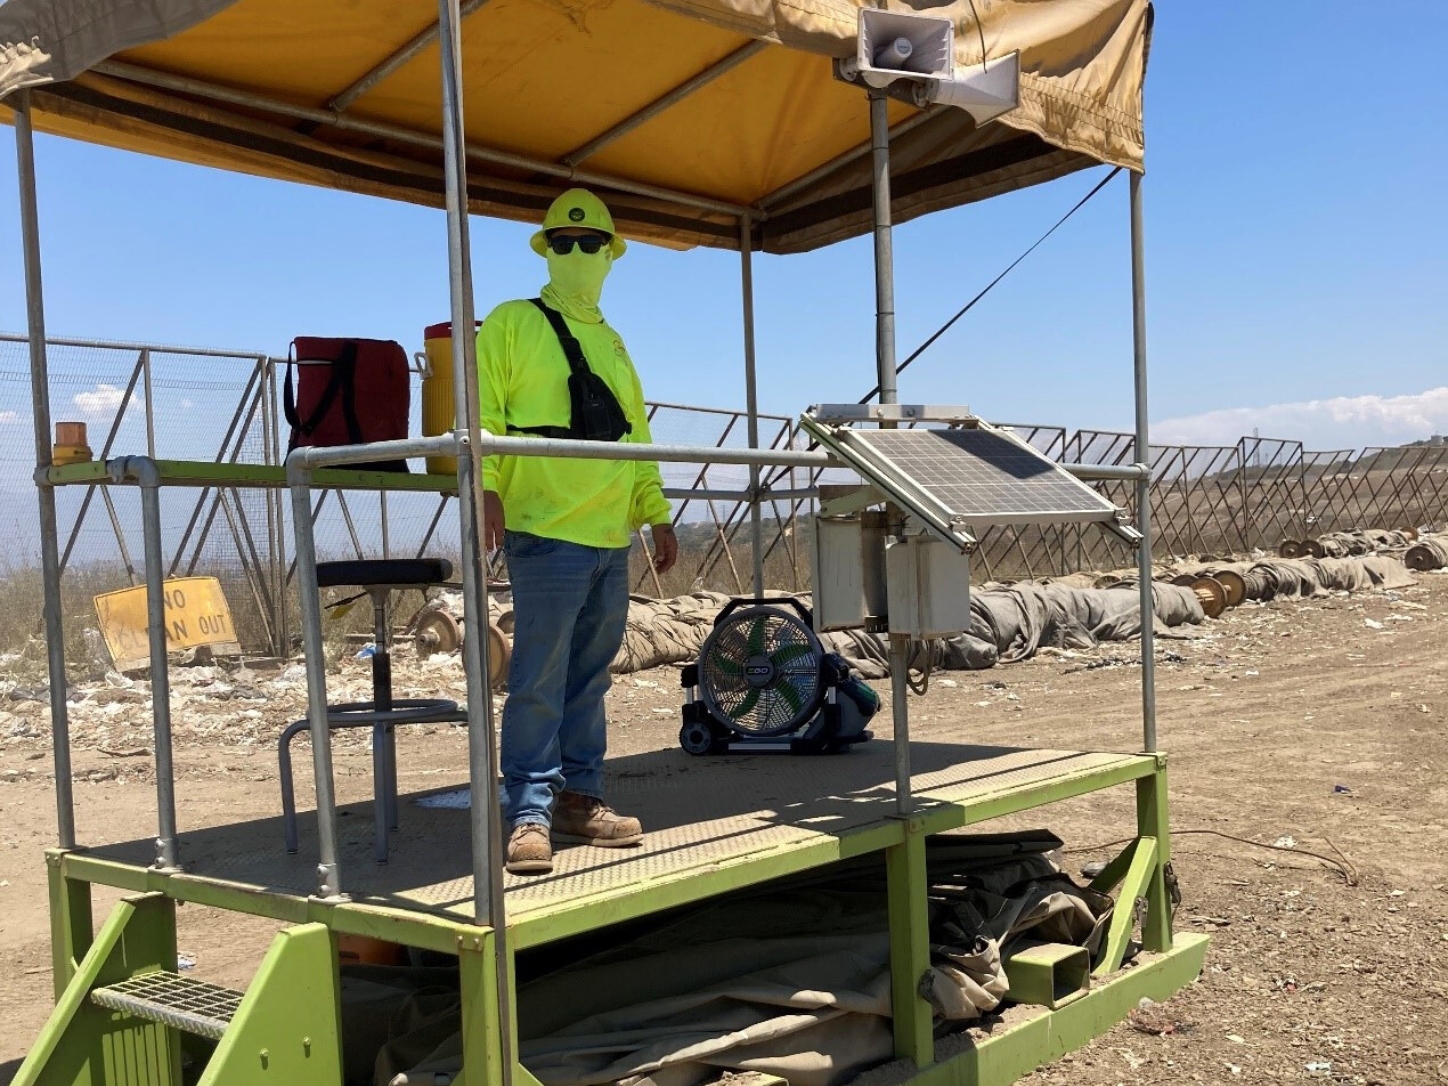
column 790, row 695
column 746, row 706
column 786, row 654
column 727, row 666
column 756, row 636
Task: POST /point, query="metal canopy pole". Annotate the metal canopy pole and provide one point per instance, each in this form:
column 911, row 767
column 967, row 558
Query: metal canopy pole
column 885, row 375
column 884, row 247
column 751, row 395
column 40, row 416
column 487, row 865
column 1143, row 484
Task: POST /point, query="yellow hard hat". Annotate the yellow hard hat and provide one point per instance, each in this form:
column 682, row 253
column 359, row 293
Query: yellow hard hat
column 580, row 208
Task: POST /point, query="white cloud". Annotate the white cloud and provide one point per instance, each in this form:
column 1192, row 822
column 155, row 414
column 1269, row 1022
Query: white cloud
column 9, row 416
column 1346, row 422
column 100, row 400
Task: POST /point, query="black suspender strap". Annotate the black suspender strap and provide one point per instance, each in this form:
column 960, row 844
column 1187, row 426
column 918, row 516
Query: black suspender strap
column 572, row 349
column 596, row 412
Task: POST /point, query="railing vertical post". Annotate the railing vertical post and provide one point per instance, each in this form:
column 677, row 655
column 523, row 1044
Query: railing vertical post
column 150, row 403
column 299, row 479
column 1143, row 485
column 40, row 415
column 487, row 866
column 751, row 396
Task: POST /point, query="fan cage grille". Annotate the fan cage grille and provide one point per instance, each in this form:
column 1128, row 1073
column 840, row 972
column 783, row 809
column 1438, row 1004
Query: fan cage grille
column 791, row 697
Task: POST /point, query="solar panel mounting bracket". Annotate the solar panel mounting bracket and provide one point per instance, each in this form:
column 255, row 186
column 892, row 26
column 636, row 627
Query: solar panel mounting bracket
column 841, row 501
column 837, row 413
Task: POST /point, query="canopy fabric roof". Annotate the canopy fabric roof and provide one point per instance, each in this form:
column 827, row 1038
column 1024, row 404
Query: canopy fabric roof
column 683, row 114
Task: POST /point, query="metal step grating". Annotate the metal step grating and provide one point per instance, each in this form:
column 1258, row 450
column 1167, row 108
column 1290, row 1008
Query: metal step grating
column 192, row 1006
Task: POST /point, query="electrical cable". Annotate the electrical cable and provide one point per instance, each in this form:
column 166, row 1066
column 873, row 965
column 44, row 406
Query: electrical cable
column 979, row 29
column 920, row 687
column 1343, row 865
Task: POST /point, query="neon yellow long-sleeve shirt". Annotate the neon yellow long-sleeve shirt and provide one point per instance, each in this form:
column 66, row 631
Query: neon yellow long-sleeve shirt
column 523, row 381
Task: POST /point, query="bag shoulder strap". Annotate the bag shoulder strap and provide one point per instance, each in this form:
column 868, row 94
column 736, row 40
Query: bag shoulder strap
column 343, row 380
column 572, row 349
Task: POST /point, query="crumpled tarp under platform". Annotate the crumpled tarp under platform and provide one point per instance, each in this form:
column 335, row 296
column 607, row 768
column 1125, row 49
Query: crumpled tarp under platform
column 791, row 980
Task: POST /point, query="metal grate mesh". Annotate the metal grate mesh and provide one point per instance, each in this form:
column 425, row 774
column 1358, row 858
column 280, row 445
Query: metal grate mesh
column 980, row 474
column 173, row 1000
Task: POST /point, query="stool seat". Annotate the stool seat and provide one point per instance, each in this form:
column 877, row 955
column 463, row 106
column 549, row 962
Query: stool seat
column 378, row 578
column 393, row 572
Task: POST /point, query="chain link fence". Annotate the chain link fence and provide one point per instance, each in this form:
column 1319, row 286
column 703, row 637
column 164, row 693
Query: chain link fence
column 224, row 406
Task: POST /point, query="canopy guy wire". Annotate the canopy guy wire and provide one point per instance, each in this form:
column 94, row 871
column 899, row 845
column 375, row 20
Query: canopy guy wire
column 994, row 282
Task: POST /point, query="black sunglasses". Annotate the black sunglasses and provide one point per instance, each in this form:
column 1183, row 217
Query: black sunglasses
column 563, row 244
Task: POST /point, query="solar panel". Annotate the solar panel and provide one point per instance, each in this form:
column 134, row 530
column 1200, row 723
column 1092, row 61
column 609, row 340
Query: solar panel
column 986, row 477
column 957, row 479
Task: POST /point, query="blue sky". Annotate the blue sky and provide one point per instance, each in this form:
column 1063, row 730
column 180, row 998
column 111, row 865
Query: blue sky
column 1296, row 234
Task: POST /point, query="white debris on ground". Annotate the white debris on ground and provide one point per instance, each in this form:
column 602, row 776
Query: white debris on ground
column 220, row 705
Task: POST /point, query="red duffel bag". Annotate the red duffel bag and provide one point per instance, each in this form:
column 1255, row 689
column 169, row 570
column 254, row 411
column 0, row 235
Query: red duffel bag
column 348, row 392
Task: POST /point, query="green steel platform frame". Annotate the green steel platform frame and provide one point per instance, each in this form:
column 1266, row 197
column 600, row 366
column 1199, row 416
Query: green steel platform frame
column 286, row 1026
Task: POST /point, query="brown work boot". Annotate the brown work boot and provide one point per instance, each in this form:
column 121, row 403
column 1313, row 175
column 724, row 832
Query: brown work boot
column 529, row 851
column 583, row 820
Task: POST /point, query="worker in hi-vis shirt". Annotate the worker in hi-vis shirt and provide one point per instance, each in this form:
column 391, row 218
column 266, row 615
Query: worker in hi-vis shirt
column 552, row 367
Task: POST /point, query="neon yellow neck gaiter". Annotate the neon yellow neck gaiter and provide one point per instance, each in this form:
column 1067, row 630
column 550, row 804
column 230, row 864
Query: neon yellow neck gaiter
column 575, row 283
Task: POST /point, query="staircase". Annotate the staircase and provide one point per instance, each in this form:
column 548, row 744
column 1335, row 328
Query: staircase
column 123, row 1015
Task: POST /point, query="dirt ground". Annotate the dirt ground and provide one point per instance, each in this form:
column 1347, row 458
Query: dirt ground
column 1321, row 721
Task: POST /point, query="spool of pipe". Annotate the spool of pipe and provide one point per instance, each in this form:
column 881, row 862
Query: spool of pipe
column 1289, row 548
column 1257, row 583
column 437, row 631
column 1185, row 580
column 1235, row 585
column 1211, row 595
column 1311, row 548
column 1426, row 555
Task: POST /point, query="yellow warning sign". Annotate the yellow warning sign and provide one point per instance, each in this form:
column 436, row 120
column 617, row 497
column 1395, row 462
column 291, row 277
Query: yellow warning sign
column 196, row 613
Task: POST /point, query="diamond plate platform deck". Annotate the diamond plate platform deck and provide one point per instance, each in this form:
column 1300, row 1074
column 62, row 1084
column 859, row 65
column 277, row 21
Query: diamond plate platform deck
column 712, row 825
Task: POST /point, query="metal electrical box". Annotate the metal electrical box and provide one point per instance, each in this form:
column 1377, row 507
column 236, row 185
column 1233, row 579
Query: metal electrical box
column 849, row 571
column 928, row 587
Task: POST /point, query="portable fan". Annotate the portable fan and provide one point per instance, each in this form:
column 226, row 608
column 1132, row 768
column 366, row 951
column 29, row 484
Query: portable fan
column 764, row 681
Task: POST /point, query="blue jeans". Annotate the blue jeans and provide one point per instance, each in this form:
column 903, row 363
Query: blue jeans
column 570, row 605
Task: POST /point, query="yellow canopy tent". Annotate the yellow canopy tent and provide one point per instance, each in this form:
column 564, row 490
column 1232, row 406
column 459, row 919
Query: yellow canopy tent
column 685, row 113
column 703, row 122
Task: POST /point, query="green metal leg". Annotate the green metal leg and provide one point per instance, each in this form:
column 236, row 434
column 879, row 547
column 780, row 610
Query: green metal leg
column 1151, row 821
column 481, row 1028
column 1139, row 873
column 71, row 924
column 288, row 1027
column 86, row 1045
column 1010, row 1053
column 907, row 878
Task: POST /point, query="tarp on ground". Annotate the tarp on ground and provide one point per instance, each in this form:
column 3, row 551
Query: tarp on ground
column 544, row 78
column 1008, row 623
